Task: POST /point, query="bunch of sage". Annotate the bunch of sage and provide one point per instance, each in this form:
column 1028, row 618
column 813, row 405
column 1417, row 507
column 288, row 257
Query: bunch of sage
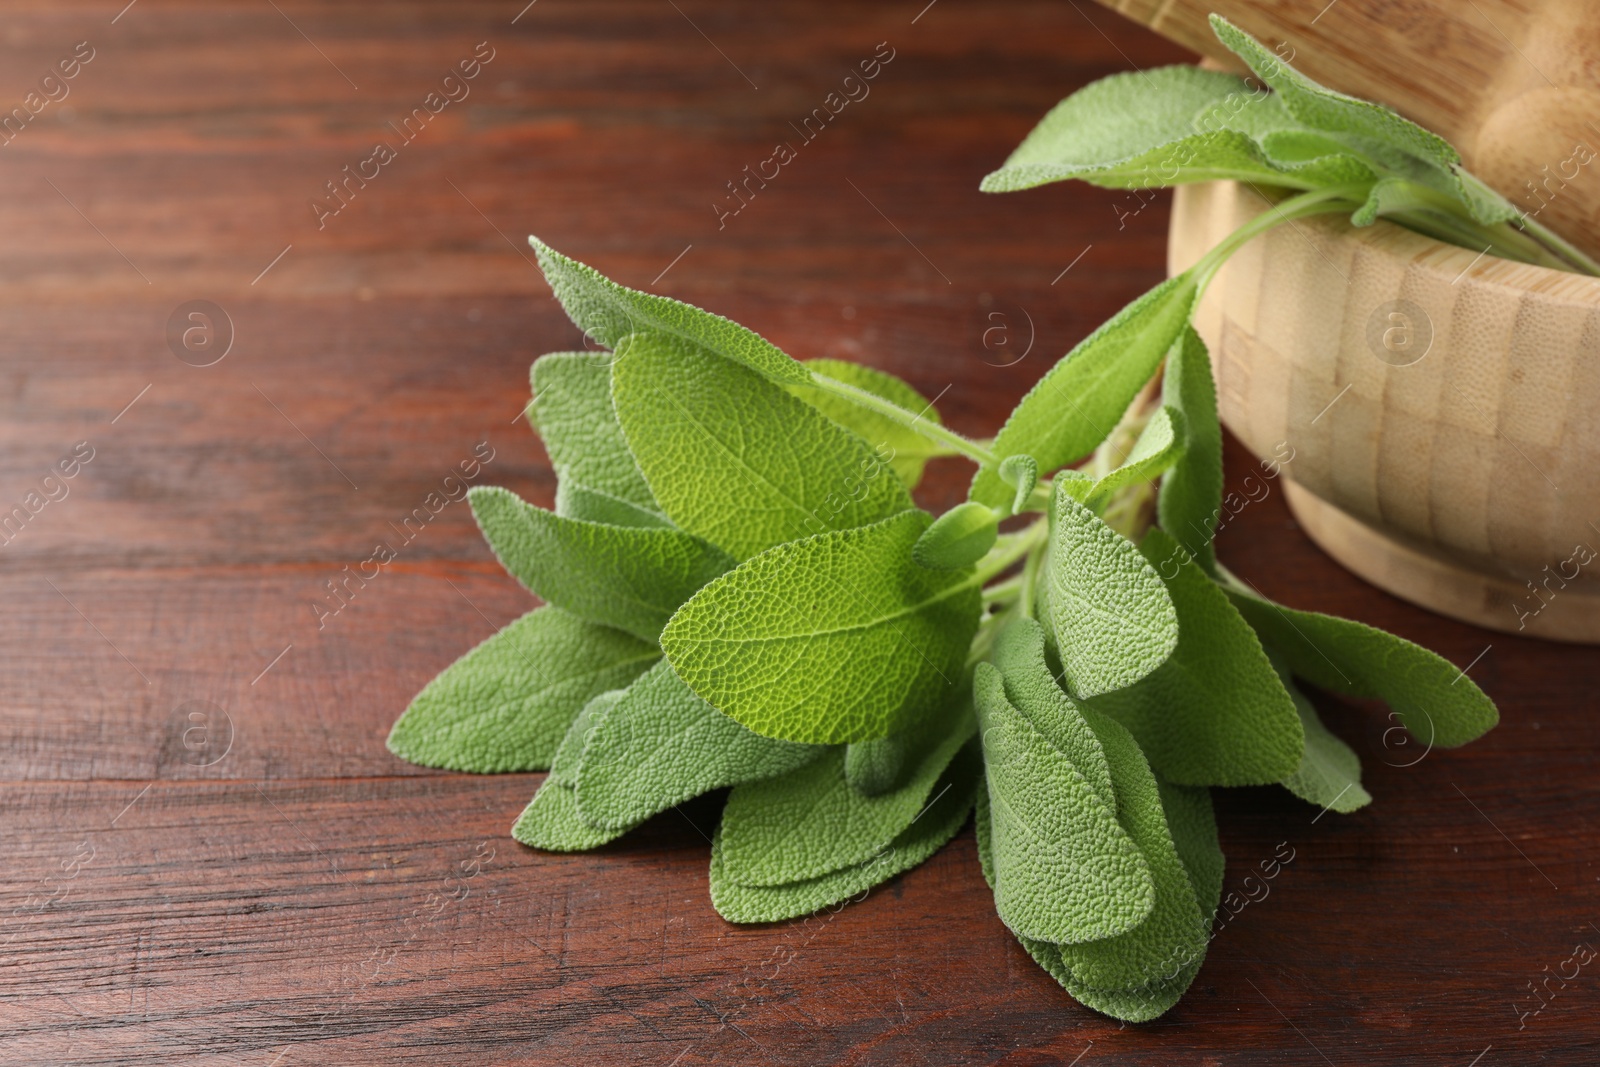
column 740, row 592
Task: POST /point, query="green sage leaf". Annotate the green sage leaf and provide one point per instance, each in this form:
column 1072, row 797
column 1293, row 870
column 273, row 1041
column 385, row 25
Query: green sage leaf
column 660, row 744
column 608, row 312
column 735, row 459
column 552, row 821
column 916, row 843
column 1193, row 834
column 505, row 705
column 1175, row 929
column 1215, row 713
column 629, row 577
column 1020, row 472
column 1159, row 446
column 1080, row 400
column 572, row 411
column 1065, row 869
column 1329, row 774
column 1350, row 120
column 1191, row 491
column 574, row 501
column 958, row 538
column 839, row 637
column 1112, row 619
column 877, row 766
column 1435, row 701
column 1139, row 131
column 812, row 822
column 908, row 450
column 1019, row 654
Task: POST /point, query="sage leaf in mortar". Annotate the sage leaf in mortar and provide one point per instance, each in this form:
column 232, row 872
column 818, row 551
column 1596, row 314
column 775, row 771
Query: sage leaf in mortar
column 927, row 833
column 1112, row 618
column 909, row 450
column 1215, row 713
column 505, row 705
column 735, row 459
column 1437, row 703
column 1121, row 130
column 608, row 312
column 659, row 744
column 629, row 577
column 1340, row 115
column 1065, row 869
column 834, row 638
column 1078, row 401
column 811, row 822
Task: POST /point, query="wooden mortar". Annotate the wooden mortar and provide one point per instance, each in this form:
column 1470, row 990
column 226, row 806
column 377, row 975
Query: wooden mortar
column 1443, row 407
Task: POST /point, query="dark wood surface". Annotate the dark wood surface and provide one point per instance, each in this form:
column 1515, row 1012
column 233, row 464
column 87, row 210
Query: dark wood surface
column 305, row 898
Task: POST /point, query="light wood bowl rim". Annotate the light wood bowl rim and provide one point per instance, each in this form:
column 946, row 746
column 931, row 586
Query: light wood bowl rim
column 1449, row 261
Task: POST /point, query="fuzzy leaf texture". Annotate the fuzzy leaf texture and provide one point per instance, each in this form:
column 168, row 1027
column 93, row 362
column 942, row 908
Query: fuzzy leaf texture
column 1112, row 618
column 628, row 577
column 1158, row 447
column 660, row 744
column 608, row 312
column 1194, row 834
column 552, row 821
column 812, row 821
column 1079, row 401
column 926, row 835
column 1190, row 500
column 735, row 459
column 1065, row 869
column 1030, row 686
column 958, row 538
column 839, row 637
column 505, row 705
column 1216, row 712
column 910, row 450
column 573, row 414
column 1175, row 927
column 1329, row 774
column 1354, row 121
column 1437, row 703
column 1138, row 131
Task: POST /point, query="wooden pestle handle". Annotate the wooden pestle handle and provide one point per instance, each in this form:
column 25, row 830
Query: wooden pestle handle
column 1513, row 84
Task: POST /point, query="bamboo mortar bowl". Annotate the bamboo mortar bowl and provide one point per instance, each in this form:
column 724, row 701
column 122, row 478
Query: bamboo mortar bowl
column 1443, row 407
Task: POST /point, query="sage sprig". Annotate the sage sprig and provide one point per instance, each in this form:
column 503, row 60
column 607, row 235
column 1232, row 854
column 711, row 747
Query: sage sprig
column 740, row 591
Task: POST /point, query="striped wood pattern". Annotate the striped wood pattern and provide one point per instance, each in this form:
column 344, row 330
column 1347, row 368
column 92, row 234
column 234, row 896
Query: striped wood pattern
column 1481, row 459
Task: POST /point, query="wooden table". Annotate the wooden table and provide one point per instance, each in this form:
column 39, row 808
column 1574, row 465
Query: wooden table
column 210, row 856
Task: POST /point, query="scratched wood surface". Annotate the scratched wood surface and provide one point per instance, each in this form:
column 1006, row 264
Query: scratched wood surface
column 210, row 857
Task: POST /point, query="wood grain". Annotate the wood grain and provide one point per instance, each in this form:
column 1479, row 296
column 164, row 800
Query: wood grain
column 1438, row 404
column 303, row 899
